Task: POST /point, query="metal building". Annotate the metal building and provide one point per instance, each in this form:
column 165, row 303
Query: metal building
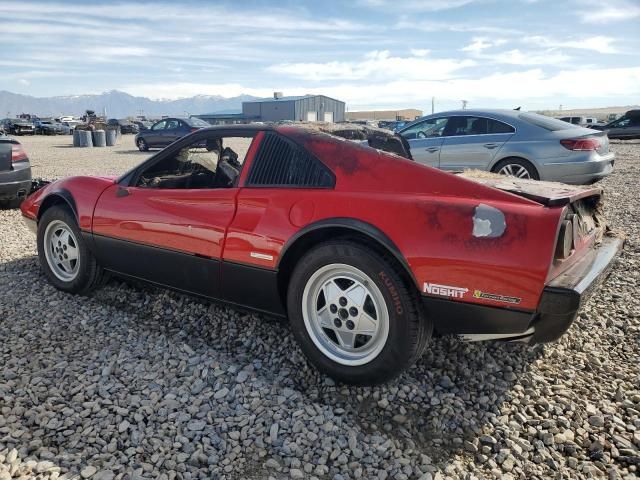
column 308, row 108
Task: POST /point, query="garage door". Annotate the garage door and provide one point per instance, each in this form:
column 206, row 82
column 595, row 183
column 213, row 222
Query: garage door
column 328, row 117
column 312, row 116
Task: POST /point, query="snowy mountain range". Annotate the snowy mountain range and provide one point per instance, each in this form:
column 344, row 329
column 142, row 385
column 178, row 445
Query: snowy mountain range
column 117, row 104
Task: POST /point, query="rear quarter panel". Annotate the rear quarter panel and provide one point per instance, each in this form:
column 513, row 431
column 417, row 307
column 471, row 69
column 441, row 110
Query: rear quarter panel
column 426, row 213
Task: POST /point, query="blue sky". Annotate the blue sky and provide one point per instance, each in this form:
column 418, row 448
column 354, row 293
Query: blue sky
column 369, row 53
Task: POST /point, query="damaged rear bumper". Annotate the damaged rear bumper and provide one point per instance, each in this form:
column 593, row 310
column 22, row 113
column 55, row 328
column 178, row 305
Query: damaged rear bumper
column 559, row 304
column 564, row 295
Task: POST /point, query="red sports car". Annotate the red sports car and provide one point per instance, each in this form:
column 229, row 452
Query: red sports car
column 367, row 253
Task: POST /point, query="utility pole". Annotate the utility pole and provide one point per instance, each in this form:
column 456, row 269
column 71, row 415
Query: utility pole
column 433, row 105
column 464, row 104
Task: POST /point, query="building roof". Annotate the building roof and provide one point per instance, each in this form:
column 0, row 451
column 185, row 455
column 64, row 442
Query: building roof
column 220, row 115
column 287, row 99
column 281, row 99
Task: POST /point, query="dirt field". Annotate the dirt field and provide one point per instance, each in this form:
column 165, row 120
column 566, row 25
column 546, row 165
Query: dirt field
column 136, row 382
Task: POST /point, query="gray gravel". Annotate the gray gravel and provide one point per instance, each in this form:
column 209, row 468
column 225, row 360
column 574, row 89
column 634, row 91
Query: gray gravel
column 136, row 382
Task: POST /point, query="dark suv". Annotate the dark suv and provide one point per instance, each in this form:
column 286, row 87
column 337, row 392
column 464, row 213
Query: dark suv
column 15, row 172
column 125, row 125
column 18, row 126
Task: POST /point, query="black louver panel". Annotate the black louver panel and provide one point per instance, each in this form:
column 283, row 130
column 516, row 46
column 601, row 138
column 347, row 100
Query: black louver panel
column 282, row 163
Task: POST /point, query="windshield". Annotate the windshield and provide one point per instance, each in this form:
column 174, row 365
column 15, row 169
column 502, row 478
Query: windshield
column 196, row 122
column 548, row 123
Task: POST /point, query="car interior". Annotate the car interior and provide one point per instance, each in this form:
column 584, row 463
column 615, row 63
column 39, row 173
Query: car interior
column 206, row 164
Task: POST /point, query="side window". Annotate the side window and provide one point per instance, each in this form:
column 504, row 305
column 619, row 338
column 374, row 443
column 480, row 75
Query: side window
column 160, row 125
column 458, row 126
column 282, row 163
column 434, row 127
column 623, row 122
column 214, row 162
column 494, row 126
column 172, row 124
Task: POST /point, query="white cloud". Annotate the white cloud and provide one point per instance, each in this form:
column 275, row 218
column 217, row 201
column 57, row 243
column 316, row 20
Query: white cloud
column 374, row 65
column 416, row 5
column 411, row 23
column 478, row 44
column 607, row 12
column 24, row 82
column 498, row 89
column 598, row 43
column 518, row 57
column 420, row 52
column 175, row 90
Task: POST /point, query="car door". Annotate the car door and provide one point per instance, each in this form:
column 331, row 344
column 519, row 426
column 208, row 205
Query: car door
column 173, row 131
column 625, row 127
column 471, row 142
column 153, row 136
column 167, row 231
column 425, row 140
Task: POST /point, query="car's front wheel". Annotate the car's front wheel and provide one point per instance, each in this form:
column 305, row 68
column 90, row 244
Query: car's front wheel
column 64, row 257
column 142, row 145
column 355, row 316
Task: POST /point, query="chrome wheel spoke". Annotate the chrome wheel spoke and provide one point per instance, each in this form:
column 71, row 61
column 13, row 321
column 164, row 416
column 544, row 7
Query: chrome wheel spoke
column 72, row 253
column 346, row 338
column 332, row 291
column 366, row 325
column 325, row 318
column 357, row 294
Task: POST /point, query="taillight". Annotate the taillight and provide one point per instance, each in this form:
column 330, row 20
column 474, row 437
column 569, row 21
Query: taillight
column 18, row 154
column 581, row 144
column 194, row 129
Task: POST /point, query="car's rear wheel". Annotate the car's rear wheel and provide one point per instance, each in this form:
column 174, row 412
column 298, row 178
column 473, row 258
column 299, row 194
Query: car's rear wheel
column 517, row 167
column 142, row 145
column 64, row 257
column 355, row 316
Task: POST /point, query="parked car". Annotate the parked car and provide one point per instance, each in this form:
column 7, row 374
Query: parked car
column 48, row 127
column 143, row 125
column 15, row 172
column 69, row 127
column 624, row 128
column 510, row 142
column 167, row 131
column 366, row 252
column 18, row 126
column 393, row 125
column 124, row 125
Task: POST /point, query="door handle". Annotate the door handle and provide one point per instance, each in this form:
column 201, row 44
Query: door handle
column 432, row 149
column 490, row 145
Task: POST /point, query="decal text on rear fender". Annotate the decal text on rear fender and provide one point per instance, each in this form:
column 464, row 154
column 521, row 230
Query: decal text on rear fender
column 444, row 290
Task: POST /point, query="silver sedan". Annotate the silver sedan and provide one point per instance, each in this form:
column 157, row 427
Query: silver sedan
column 510, row 142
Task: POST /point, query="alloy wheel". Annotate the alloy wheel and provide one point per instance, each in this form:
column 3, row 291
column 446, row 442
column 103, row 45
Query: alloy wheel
column 61, row 251
column 514, row 170
column 345, row 314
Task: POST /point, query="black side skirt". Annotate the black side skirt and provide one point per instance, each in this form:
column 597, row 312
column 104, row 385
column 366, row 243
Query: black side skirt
column 246, row 286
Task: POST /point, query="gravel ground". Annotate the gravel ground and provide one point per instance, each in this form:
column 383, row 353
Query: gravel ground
column 137, row 382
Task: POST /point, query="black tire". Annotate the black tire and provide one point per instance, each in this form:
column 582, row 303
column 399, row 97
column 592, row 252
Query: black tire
column 409, row 329
column 142, row 145
column 90, row 274
column 527, row 165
